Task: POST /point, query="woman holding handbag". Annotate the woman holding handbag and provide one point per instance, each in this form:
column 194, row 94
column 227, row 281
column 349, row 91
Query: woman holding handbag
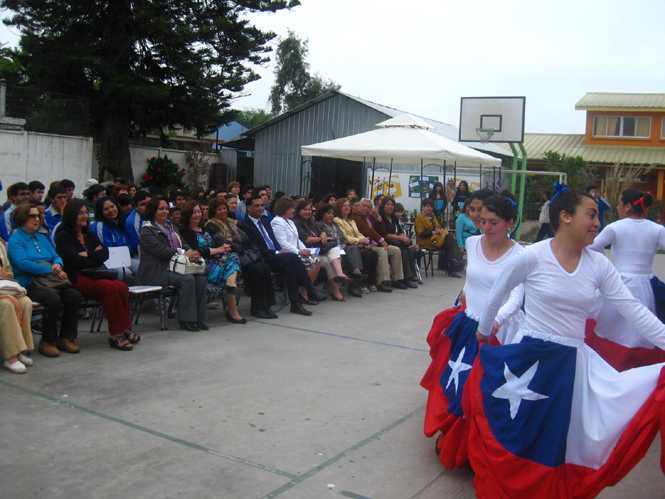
column 159, row 242
column 84, row 256
column 15, row 317
column 225, row 230
column 27, row 250
column 222, row 264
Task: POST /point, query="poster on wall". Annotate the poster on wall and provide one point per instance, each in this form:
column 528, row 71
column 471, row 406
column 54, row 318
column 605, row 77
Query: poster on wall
column 382, row 186
column 418, row 185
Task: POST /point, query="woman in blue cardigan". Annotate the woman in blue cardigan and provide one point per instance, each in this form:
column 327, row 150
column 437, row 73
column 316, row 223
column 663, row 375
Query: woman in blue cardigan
column 26, row 250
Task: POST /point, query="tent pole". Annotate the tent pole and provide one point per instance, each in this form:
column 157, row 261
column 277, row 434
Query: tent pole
column 421, row 181
column 390, row 177
column 371, row 185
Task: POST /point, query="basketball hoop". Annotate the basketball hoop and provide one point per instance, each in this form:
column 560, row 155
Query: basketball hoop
column 485, row 134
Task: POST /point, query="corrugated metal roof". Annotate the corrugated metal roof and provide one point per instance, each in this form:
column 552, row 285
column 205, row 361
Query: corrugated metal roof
column 608, row 101
column 444, row 129
column 537, row 144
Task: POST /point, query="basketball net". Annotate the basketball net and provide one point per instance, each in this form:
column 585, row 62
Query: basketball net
column 485, row 134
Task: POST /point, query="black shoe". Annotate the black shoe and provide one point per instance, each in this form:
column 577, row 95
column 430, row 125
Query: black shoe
column 410, row 284
column 398, row 285
column 384, row 288
column 297, row 308
column 452, row 273
column 235, row 321
column 359, row 277
column 316, row 295
column 356, row 293
column 273, row 315
column 189, row 326
column 456, row 265
column 261, row 314
column 202, row 326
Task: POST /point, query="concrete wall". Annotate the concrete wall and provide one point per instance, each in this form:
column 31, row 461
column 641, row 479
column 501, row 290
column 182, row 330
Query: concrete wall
column 26, row 156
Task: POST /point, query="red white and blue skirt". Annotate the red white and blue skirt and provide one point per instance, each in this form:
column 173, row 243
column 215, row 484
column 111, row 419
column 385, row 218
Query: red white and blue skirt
column 615, row 340
column 549, row 418
column 453, row 348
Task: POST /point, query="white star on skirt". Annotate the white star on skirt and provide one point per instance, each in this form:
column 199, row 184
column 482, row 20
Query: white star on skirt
column 458, row 367
column 516, row 389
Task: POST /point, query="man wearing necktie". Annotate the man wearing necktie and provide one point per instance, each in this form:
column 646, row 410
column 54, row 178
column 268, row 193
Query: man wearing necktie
column 260, row 234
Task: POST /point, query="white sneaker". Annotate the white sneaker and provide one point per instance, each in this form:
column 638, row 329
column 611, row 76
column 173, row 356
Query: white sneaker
column 212, row 305
column 27, row 361
column 17, row 367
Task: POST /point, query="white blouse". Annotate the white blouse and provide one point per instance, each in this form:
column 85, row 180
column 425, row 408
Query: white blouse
column 558, row 302
column 286, row 234
column 634, row 244
column 481, row 275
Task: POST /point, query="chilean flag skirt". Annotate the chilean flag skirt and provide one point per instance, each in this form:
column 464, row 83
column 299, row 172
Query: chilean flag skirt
column 453, row 348
column 623, row 357
column 549, row 418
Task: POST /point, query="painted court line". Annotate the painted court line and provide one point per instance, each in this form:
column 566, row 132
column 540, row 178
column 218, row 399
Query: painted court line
column 301, row 478
column 155, row 433
column 343, row 337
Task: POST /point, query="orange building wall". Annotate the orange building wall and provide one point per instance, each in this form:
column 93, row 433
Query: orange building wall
column 653, row 141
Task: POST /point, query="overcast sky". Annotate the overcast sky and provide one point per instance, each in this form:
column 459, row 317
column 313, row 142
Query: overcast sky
column 421, row 56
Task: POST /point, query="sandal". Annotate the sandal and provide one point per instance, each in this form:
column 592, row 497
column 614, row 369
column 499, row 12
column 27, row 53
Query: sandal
column 120, row 343
column 337, row 299
column 131, row 337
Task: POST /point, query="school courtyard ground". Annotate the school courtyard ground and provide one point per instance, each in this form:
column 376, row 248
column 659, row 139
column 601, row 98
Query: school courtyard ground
column 296, row 408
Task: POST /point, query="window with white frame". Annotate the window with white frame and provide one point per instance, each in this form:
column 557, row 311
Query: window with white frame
column 622, row 126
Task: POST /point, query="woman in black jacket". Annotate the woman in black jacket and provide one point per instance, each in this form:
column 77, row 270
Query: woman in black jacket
column 394, row 235
column 81, row 249
column 222, row 264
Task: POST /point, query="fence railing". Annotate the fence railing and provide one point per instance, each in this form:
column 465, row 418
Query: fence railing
column 46, row 112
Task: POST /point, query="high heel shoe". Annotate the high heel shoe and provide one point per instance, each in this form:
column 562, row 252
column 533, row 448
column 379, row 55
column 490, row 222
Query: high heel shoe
column 235, row 321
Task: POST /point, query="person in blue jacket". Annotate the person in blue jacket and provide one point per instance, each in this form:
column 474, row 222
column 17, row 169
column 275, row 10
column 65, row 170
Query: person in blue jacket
column 602, row 203
column 110, row 229
column 134, row 222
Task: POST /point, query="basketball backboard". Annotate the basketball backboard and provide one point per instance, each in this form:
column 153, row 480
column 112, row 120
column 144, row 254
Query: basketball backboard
column 492, row 119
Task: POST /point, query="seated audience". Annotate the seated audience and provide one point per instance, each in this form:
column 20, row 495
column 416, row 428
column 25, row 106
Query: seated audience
column 325, row 221
column 110, row 230
column 232, row 201
column 353, row 237
column 330, row 198
column 81, row 249
column 222, row 264
column 286, row 234
column 431, row 236
column 225, row 230
column 395, row 237
column 15, row 317
column 36, row 191
column 18, row 193
column 351, row 194
column 244, row 196
column 132, row 190
column 69, row 186
column 31, row 254
column 58, row 197
column 289, row 265
column 438, row 195
column 134, row 221
column 464, row 229
column 312, row 236
column 159, row 242
column 174, row 216
column 126, row 204
column 91, row 196
column 390, row 257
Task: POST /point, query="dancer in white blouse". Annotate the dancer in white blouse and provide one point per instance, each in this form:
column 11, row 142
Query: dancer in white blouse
column 453, row 343
column 548, row 416
column 634, row 241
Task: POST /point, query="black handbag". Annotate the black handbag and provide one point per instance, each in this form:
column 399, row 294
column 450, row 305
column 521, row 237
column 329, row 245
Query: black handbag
column 100, row 272
column 249, row 255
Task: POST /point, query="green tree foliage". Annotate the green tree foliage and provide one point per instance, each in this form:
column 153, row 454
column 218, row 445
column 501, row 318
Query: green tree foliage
column 294, row 85
column 254, row 116
column 580, row 175
column 146, row 65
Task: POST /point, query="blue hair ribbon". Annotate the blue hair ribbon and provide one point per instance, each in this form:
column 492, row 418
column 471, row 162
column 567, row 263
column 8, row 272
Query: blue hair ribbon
column 519, row 218
column 559, row 189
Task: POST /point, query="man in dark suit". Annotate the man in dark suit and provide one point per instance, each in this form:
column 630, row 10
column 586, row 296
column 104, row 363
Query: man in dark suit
column 260, row 234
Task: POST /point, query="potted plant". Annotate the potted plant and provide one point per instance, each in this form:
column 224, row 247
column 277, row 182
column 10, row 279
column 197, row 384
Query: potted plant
column 414, row 214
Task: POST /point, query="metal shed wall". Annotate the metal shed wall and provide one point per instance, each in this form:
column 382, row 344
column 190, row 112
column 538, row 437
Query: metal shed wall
column 277, row 156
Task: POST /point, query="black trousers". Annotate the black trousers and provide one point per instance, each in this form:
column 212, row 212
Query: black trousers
column 259, row 277
column 293, row 271
column 69, row 299
column 370, row 262
column 449, row 246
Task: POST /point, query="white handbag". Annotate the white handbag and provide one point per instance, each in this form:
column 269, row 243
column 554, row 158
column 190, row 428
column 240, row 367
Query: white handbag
column 12, row 288
column 181, row 264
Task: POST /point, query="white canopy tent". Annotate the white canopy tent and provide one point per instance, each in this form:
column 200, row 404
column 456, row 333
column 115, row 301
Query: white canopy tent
column 404, row 139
